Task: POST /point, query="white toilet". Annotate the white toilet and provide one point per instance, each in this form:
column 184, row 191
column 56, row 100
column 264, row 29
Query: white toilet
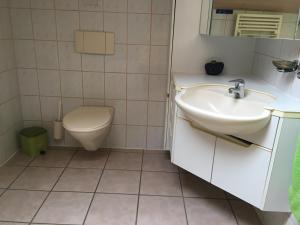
column 89, row 125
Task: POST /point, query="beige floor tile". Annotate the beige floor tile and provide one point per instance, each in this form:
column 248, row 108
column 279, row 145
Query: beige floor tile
column 117, row 181
column 154, row 210
column 20, row 159
column 20, row 206
column 84, row 180
column 209, row 212
column 8, row 175
column 64, row 208
column 160, row 183
column 92, row 160
column 244, row 213
column 53, row 158
column 37, row 178
column 126, row 161
column 1, row 191
column 158, row 162
column 112, row 209
column 193, row 186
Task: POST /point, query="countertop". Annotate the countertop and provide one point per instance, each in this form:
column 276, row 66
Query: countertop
column 284, row 106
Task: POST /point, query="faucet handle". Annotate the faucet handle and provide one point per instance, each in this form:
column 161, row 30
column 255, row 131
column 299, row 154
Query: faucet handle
column 238, row 82
column 241, row 81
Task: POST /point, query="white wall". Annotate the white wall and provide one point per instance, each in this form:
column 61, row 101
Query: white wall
column 191, row 51
column 10, row 116
column 133, row 81
column 268, row 50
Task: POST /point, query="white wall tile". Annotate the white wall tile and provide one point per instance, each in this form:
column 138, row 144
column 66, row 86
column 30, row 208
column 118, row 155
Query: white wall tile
column 44, row 26
column 49, row 108
column 92, row 62
column 49, row 82
column 42, row 4
column 93, row 85
column 19, row 3
column 156, row 113
column 93, row 102
column 155, row 138
column 71, row 83
column 5, row 25
column 46, row 54
column 160, row 30
column 115, row 86
column 159, row 60
column 91, row 5
column 8, row 85
column 119, row 110
column 67, row 23
column 9, row 115
column 137, row 86
column 91, row 21
column 139, row 6
column 68, row 58
column 161, row 6
column 115, row 5
column 117, row 137
column 7, row 56
column 158, row 88
column 290, row 49
column 70, row 104
column 137, row 112
column 138, row 59
column 118, row 61
column 66, row 4
column 24, row 50
column 117, row 23
column 136, row 137
column 31, row 109
column 4, row 3
column 21, row 23
column 139, row 28
column 28, row 82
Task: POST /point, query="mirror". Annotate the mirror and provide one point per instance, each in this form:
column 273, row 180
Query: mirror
column 277, row 19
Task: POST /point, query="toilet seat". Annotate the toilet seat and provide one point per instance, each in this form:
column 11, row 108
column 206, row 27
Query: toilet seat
column 87, row 119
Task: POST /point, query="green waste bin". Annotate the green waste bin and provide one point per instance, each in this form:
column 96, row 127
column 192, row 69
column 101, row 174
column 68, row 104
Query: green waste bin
column 34, row 140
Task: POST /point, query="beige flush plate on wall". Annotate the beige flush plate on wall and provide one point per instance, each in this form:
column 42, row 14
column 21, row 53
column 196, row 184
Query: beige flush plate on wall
column 95, row 42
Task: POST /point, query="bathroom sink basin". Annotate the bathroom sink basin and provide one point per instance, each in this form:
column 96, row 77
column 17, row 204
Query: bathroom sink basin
column 213, row 108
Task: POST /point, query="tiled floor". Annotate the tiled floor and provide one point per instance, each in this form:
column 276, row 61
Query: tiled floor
column 112, row 188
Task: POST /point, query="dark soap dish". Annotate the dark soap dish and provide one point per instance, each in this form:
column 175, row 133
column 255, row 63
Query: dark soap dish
column 214, row 68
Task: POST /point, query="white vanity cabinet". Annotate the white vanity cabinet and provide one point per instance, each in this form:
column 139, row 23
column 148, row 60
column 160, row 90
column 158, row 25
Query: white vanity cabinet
column 241, row 170
column 259, row 173
column 193, row 149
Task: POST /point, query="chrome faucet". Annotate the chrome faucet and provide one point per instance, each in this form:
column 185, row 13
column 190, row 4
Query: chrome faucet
column 238, row 91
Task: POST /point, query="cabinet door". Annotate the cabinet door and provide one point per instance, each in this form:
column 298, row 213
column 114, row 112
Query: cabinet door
column 193, row 149
column 241, row 171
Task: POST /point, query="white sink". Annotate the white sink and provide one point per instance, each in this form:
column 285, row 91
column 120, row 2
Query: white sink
column 211, row 107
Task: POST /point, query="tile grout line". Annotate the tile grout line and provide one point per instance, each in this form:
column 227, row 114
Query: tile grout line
column 232, row 211
column 95, row 192
column 35, row 59
column 139, row 192
column 183, row 200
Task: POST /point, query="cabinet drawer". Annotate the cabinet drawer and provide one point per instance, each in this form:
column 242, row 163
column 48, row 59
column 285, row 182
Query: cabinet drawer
column 193, row 149
column 241, row 171
column 265, row 137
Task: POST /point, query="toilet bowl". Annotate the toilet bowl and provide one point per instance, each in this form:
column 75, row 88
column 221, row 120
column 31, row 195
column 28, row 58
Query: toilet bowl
column 89, row 125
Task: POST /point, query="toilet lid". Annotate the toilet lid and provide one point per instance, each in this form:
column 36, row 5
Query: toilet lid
column 88, row 118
